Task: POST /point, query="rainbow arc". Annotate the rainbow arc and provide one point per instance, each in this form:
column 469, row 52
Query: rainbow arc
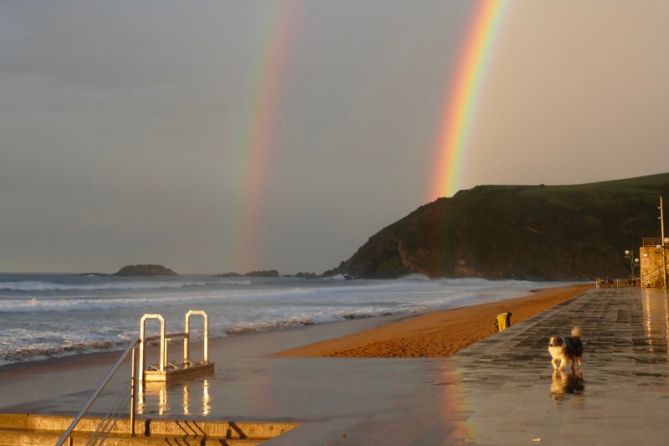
column 261, row 129
column 462, row 96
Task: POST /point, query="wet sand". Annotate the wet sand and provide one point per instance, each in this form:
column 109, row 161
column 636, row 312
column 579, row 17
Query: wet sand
column 436, row 334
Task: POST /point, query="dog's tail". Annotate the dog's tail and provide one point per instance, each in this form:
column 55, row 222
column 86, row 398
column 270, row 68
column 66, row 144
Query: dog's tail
column 576, row 332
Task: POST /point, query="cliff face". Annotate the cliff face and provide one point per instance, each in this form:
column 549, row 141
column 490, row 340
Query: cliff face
column 530, row 232
column 145, row 270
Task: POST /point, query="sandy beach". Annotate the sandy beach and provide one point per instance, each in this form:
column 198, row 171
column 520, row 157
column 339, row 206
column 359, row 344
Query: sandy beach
column 439, row 333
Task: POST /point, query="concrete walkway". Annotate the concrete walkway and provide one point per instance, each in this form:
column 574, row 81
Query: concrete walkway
column 499, row 392
column 509, row 395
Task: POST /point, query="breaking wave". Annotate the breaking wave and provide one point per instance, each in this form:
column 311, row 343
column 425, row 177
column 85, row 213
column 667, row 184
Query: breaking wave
column 41, row 347
column 32, row 353
column 37, row 286
column 48, row 316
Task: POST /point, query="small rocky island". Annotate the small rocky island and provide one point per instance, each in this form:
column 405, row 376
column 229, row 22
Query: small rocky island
column 262, row 273
column 145, row 270
column 230, row 274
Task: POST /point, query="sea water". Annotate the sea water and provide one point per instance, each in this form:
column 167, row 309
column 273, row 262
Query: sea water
column 48, row 315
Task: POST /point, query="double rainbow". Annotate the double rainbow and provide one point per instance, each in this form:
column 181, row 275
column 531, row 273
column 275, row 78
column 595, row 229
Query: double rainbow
column 455, row 125
column 462, row 96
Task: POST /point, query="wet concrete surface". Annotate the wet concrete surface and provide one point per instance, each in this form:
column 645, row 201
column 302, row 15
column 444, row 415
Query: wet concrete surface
column 51, row 382
column 621, row 398
column 501, row 391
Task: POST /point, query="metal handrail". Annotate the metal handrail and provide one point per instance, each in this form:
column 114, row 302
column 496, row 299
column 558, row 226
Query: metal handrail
column 168, row 337
column 131, row 349
column 617, row 283
column 655, row 272
column 205, row 348
column 142, row 342
column 651, row 241
column 652, row 275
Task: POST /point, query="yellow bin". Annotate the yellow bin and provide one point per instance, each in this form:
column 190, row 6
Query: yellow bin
column 503, row 321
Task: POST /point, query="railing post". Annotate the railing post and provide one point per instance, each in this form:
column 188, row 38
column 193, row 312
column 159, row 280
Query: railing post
column 133, row 391
column 206, row 337
column 163, row 346
column 205, row 320
column 66, row 437
column 187, row 338
column 663, row 244
column 142, row 346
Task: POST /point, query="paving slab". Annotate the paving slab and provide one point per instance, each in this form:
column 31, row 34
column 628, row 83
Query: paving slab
column 621, row 398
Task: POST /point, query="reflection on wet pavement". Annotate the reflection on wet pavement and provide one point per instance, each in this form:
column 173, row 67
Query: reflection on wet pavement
column 187, row 398
column 621, row 397
column 501, row 391
column 566, row 383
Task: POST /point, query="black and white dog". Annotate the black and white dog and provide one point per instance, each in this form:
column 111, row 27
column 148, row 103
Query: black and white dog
column 565, row 349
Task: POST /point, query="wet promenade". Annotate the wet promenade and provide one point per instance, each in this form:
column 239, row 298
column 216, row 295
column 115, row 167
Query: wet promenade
column 498, row 392
column 509, row 395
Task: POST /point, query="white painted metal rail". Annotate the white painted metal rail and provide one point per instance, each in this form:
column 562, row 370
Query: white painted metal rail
column 139, row 370
column 131, row 350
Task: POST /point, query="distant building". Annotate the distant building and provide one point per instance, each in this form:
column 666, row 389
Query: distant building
column 653, row 259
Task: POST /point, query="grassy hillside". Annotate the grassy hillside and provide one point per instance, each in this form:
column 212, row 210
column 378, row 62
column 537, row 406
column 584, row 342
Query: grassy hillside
column 547, row 232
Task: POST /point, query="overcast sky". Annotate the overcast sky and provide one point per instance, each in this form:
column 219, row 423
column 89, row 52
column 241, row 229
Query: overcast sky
column 122, row 122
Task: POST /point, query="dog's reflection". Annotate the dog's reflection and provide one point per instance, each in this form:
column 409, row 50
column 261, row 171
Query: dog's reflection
column 566, row 383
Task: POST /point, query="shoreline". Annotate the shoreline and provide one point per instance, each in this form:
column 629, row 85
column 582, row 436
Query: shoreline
column 27, row 383
column 23, row 382
column 438, row 333
column 100, row 356
column 353, row 327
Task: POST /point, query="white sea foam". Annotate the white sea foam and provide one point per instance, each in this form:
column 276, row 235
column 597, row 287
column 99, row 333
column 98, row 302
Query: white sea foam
column 37, row 286
column 415, row 277
column 48, row 316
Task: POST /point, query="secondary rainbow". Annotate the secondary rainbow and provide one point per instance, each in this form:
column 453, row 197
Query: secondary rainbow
column 462, row 96
column 260, row 133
